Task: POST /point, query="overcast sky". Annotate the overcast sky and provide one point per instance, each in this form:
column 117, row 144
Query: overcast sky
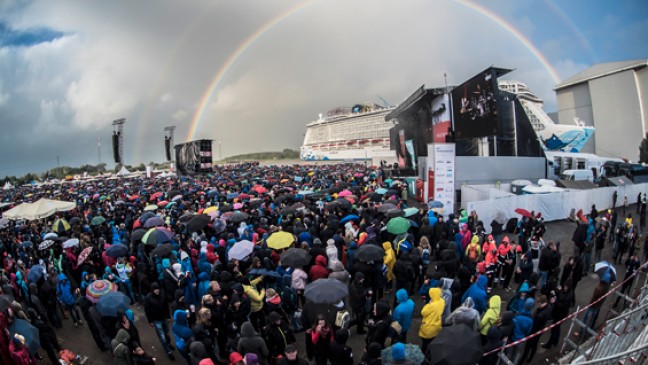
column 69, row 68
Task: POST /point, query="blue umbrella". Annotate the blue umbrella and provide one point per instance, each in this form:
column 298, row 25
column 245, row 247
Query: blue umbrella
column 348, row 218
column 35, row 273
column 435, row 204
column 29, row 332
column 154, row 221
column 231, row 196
column 265, row 272
column 414, row 224
column 25, row 244
column 117, row 250
column 109, row 304
column 381, row 191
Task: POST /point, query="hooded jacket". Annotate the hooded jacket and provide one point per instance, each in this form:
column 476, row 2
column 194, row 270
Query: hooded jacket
column 492, row 314
column 357, row 293
column 517, row 303
column 339, row 273
column 298, row 279
column 389, row 259
column 250, row 341
column 522, row 322
column 494, row 341
column 404, row 310
column 155, row 306
column 121, row 352
column 181, row 331
column 256, row 297
column 319, row 270
column 64, row 290
column 477, row 292
column 466, row 314
column 432, row 312
column 399, row 356
column 446, row 294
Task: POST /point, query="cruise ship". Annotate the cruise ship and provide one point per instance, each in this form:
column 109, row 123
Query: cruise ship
column 356, row 133
column 554, row 137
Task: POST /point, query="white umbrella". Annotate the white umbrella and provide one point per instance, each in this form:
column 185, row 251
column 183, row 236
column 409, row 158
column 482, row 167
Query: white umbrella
column 240, row 250
column 50, row 236
column 151, row 207
column 72, row 242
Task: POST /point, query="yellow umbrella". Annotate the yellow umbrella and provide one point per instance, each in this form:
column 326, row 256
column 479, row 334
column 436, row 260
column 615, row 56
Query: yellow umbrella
column 208, row 210
column 279, row 240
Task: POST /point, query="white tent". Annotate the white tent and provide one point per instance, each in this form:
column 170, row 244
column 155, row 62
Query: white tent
column 7, row 186
column 123, row 172
column 40, row 209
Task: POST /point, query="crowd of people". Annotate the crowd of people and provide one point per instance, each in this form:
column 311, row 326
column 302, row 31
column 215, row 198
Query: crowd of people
column 202, row 256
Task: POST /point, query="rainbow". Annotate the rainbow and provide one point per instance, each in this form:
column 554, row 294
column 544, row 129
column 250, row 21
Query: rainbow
column 220, row 74
column 231, row 60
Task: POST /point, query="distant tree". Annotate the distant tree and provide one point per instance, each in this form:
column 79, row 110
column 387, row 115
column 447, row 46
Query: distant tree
column 643, row 150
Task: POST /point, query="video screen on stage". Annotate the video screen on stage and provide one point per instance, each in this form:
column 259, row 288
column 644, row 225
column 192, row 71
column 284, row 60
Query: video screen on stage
column 474, row 107
column 403, row 141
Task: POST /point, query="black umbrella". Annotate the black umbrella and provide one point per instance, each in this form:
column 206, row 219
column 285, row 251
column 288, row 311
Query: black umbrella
column 393, row 213
column 344, row 204
column 295, row 257
column 293, row 208
column 384, row 208
column 137, row 234
column 117, row 250
column 370, row 252
column 5, row 301
column 198, row 222
column 455, row 345
column 326, row 291
column 186, row 217
column 282, row 198
column 238, row 217
column 162, row 250
column 75, row 220
column 29, row 332
column 111, row 303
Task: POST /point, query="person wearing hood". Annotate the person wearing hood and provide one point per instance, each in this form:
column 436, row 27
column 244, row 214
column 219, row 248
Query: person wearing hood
column 319, row 270
column 273, row 303
column 277, row 334
column 66, row 296
column 477, row 292
column 351, row 249
column 197, row 352
column 339, row 273
column 431, row 324
column 331, row 253
column 540, row 319
column 493, row 341
column 465, row 314
column 156, row 308
column 403, row 313
column 121, row 351
column 399, row 356
column 564, row 300
column 507, row 259
column 358, row 297
column 257, row 316
column 126, row 321
column 517, row 303
column 404, row 272
column 202, row 287
column 522, row 325
column 171, row 281
column 491, row 317
column 389, row 260
column 35, row 301
column 251, row 342
column 372, row 355
column 446, row 294
column 182, row 333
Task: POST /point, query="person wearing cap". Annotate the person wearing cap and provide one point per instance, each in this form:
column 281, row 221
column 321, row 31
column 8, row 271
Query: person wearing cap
column 291, row 357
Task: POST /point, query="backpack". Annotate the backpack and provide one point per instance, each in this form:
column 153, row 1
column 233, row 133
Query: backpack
column 472, row 252
column 342, row 319
column 425, row 256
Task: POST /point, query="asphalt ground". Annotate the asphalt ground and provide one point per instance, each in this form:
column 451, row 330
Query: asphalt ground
column 80, row 341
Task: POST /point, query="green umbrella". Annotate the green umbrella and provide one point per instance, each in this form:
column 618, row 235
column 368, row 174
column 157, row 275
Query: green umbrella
column 97, row 220
column 398, row 225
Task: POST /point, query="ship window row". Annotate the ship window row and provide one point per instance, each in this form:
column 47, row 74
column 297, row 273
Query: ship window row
column 371, row 128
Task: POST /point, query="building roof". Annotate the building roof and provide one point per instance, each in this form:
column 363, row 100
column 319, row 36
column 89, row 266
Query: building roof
column 600, row 70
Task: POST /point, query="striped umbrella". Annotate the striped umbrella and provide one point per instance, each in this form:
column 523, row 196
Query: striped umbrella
column 60, row 225
column 99, row 288
column 157, row 235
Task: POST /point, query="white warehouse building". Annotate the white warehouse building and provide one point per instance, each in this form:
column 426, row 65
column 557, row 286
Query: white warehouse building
column 613, row 98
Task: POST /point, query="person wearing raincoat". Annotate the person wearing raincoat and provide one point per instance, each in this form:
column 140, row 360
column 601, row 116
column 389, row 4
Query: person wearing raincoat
column 389, row 260
column 491, row 317
column 465, row 314
column 431, row 324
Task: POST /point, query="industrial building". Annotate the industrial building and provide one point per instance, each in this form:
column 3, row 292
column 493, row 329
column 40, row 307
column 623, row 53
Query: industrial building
column 613, row 98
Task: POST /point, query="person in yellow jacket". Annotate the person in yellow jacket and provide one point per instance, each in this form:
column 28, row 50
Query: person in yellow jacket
column 431, row 324
column 473, row 250
column 491, row 317
column 389, row 260
column 257, row 317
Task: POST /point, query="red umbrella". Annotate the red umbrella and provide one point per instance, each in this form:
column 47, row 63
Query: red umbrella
column 133, row 197
column 84, row 255
column 524, row 213
column 259, row 189
column 155, row 196
column 163, row 203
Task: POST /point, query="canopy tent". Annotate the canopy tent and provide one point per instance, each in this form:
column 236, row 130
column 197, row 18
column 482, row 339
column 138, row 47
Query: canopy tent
column 40, row 209
column 7, row 186
column 123, row 172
